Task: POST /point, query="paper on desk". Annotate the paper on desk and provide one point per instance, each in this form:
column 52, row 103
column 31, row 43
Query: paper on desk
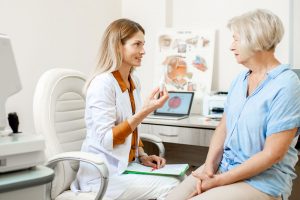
column 169, row 169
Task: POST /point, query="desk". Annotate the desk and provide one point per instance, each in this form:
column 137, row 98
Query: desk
column 194, row 130
column 25, row 184
column 185, row 140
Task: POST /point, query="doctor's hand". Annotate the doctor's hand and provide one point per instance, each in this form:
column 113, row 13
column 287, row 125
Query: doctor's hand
column 153, row 161
column 152, row 102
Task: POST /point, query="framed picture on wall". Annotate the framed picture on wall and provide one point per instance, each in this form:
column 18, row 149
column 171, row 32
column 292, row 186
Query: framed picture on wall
column 184, row 60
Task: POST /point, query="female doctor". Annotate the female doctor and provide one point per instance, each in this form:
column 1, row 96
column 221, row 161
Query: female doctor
column 113, row 113
column 252, row 153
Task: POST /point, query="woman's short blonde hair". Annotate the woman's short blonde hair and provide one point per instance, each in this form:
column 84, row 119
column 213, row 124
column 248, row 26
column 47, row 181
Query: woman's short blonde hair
column 110, row 54
column 259, row 30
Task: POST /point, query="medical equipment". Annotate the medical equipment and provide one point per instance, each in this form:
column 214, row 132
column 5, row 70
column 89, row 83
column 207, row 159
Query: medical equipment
column 21, row 151
column 9, row 78
column 213, row 105
column 17, row 151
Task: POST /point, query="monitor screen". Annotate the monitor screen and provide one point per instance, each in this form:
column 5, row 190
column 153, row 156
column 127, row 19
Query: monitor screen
column 178, row 103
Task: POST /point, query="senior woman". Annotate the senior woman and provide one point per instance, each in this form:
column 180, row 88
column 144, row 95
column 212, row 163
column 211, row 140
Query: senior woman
column 252, row 153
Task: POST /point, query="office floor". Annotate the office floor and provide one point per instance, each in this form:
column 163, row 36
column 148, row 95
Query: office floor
column 195, row 156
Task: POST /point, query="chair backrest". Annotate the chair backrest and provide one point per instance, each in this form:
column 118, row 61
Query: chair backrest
column 58, row 112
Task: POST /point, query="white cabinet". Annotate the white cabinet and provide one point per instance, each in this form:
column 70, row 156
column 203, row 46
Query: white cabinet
column 179, row 135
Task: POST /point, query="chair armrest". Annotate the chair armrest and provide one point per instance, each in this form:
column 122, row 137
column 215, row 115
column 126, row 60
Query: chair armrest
column 76, row 155
column 88, row 158
column 155, row 140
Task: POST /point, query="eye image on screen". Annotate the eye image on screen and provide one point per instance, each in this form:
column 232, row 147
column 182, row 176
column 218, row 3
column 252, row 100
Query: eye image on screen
column 174, row 102
column 178, row 103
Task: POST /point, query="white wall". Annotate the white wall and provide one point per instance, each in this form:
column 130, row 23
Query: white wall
column 66, row 33
column 155, row 15
column 52, row 33
column 215, row 14
column 295, row 47
column 152, row 16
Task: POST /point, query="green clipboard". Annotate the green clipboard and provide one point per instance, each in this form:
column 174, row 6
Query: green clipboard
column 167, row 170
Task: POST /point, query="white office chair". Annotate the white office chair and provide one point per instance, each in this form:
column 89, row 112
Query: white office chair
column 58, row 111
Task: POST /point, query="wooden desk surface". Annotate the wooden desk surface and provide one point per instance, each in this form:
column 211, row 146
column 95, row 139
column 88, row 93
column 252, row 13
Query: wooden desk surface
column 193, row 121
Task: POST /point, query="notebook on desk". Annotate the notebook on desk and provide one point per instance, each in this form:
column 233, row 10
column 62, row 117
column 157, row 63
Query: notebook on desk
column 178, row 106
column 167, row 170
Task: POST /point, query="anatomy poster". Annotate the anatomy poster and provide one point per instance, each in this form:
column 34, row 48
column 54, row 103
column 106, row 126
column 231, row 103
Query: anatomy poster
column 184, row 60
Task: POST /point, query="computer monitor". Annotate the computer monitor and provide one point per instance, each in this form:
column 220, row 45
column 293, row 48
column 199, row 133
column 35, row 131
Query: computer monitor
column 9, row 77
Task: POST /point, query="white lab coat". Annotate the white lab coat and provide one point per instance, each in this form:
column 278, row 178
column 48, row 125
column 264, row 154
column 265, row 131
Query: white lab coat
column 107, row 106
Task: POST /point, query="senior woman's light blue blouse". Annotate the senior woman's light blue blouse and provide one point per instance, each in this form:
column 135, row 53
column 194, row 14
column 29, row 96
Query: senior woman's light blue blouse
column 273, row 107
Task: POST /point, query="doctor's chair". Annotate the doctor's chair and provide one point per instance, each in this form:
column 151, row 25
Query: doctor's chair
column 58, row 112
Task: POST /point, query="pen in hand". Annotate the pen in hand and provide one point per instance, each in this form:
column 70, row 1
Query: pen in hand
column 153, row 168
column 156, row 165
column 162, row 84
column 153, row 161
column 161, row 87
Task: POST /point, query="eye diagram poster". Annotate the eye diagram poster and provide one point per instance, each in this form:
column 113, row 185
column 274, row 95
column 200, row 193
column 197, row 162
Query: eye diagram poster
column 184, row 60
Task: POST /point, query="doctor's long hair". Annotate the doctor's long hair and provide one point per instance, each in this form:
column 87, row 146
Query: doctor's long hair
column 110, row 54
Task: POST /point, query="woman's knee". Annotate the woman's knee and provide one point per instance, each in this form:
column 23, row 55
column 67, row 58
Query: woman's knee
column 184, row 189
